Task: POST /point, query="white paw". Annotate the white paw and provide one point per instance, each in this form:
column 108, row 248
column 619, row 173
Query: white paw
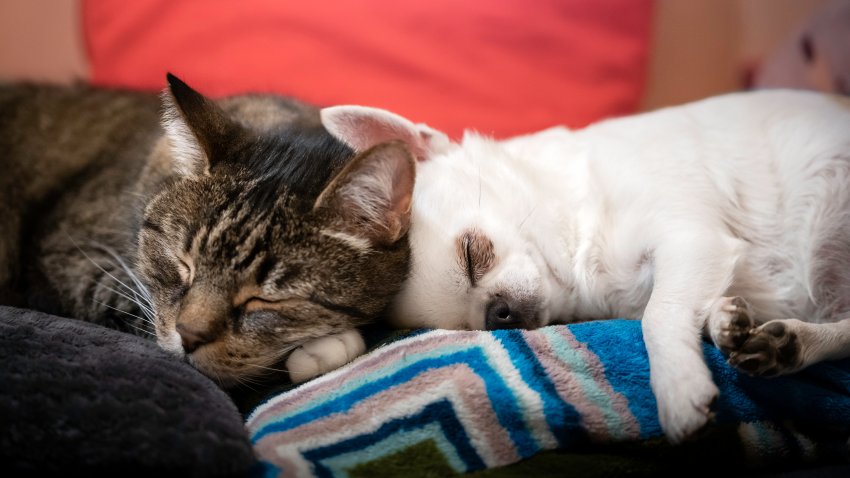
column 730, row 323
column 684, row 403
column 323, row 355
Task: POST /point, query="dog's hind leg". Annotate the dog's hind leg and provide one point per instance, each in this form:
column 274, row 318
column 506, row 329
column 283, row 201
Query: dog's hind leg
column 776, row 347
column 787, row 345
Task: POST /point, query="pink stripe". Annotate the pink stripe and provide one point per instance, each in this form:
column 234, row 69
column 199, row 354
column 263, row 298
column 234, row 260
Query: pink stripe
column 619, row 402
column 479, row 419
column 568, row 387
column 365, row 365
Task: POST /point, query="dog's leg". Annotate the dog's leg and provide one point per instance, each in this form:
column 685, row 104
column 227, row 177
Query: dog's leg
column 690, row 274
column 729, row 323
column 787, row 345
column 324, row 354
column 777, row 347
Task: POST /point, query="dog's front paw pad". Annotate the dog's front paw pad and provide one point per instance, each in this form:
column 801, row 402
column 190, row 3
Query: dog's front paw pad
column 687, row 410
column 734, row 324
column 772, row 349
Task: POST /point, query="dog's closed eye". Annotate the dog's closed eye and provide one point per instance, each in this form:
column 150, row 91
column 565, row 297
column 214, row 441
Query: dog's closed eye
column 475, row 254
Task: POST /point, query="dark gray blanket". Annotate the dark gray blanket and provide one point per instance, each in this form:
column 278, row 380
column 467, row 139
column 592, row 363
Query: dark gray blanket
column 82, row 399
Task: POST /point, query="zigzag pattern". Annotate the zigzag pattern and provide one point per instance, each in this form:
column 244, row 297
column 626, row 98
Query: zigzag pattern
column 484, row 400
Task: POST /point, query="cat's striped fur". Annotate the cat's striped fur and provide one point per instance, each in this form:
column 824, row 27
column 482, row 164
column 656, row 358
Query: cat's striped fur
column 209, row 233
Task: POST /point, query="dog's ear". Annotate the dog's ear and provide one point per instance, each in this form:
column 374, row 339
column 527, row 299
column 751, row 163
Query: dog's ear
column 361, row 128
column 198, row 131
column 370, row 198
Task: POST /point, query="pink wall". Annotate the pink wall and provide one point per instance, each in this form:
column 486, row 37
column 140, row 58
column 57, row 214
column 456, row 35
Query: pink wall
column 700, row 47
column 41, row 40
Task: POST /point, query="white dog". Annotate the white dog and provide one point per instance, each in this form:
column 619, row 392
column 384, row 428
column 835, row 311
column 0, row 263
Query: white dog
column 710, row 218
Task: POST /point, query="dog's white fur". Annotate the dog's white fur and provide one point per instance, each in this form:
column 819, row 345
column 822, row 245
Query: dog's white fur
column 662, row 216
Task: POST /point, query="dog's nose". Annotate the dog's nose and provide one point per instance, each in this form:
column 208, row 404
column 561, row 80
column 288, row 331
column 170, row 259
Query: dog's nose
column 500, row 315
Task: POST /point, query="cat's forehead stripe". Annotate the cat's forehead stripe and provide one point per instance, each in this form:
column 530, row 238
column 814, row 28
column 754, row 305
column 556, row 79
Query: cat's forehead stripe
column 264, row 268
column 247, row 251
column 359, row 244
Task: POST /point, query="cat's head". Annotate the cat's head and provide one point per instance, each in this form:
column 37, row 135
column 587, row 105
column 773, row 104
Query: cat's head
column 252, row 250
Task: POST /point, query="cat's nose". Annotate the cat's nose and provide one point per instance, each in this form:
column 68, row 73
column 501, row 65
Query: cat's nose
column 502, row 315
column 202, row 317
column 193, row 337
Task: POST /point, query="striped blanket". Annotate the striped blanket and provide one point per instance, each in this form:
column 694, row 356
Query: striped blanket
column 470, row 400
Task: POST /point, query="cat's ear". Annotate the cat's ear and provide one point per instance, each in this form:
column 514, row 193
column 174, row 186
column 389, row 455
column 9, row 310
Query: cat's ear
column 361, row 128
column 198, row 130
column 370, row 198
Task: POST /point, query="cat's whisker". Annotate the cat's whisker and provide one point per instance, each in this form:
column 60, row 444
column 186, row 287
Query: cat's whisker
column 143, row 307
column 147, row 312
column 141, row 330
column 272, row 369
column 129, row 314
column 134, row 193
column 245, row 382
column 215, row 375
column 248, row 379
column 140, row 290
column 140, row 296
column 118, row 310
column 95, row 262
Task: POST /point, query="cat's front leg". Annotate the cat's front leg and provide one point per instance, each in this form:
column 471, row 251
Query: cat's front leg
column 324, row 354
column 691, row 272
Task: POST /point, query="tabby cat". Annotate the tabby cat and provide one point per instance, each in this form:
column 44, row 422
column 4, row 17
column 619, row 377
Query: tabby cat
column 232, row 231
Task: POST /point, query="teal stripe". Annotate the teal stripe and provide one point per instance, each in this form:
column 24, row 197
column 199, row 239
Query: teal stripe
column 583, row 374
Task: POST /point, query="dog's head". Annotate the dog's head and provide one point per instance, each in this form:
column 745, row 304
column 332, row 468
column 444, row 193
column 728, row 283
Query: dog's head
column 475, row 263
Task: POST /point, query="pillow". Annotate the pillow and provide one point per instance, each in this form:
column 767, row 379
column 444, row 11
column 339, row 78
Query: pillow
column 503, row 68
column 447, row 402
column 81, row 398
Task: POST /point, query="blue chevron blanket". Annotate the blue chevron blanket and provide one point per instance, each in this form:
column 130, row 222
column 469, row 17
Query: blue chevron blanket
column 475, row 400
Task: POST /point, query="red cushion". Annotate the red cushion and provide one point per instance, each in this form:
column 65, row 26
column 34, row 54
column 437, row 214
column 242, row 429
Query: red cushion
column 502, row 67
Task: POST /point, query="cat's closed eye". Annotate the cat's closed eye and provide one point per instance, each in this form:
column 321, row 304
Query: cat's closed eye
column 186, row 271
column 258, row 303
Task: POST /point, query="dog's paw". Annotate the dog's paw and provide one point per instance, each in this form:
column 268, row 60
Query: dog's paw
column 771, row 349
column 324, row 354
column 730, row 323
column 684, row 405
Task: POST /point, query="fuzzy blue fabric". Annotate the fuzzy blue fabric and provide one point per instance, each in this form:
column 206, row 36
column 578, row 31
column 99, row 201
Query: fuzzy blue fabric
column 818, row 396
column 472, row 400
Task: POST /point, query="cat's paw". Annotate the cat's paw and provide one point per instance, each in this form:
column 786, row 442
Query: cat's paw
column 684, row 403
column 730, row 323
column 771, row 349
column 324, row 354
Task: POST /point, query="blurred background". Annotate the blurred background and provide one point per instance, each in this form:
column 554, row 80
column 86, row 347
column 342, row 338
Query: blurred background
column 502, row 67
